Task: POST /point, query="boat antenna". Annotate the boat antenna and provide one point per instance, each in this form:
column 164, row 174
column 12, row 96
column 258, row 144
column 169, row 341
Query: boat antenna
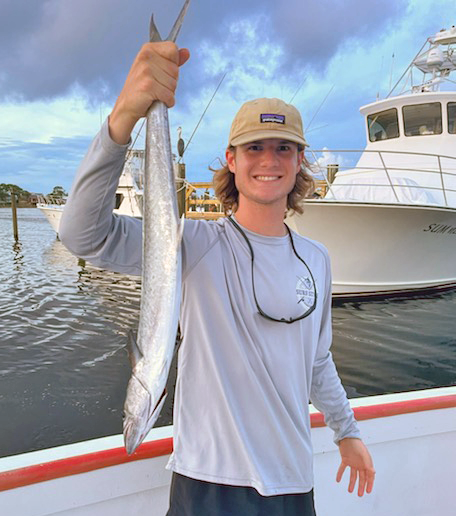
column 319, row 107
column 194, row 131
column 407, row 69
column 297, row 91
column 202, row 116
column 137, row 134
column 392, row 66
column 317, row 128
column 381, row 72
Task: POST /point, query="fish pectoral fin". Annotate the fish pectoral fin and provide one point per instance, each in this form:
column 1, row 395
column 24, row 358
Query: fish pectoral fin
column 134, row 353
column 180, row 231
column 158, row 407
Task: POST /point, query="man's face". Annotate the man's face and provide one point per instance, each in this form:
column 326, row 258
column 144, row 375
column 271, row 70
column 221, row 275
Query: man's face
column 265, row 170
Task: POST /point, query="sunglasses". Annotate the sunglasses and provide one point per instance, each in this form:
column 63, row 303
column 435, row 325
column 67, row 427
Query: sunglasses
column 309, row 288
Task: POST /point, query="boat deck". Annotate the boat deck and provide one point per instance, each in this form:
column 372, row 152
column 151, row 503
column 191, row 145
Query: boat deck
column 411, row 436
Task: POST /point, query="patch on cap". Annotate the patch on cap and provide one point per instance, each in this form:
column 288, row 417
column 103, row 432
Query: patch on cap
column 278, row 119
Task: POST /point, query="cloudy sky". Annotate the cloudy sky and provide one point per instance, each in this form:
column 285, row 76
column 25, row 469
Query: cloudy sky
column 63, row 62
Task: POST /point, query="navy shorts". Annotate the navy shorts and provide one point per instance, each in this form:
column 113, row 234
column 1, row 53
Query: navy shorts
column 190, row 497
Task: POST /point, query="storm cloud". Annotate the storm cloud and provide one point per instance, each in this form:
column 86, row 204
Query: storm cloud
column 50, row 47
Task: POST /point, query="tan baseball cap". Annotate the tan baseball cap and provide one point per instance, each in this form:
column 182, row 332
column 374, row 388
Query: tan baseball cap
column 266, row 118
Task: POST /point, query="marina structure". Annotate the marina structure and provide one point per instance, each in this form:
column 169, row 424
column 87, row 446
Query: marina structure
column 389, row 222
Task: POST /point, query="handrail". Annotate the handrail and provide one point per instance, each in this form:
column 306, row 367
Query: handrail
column 328, row 183
column 78, row 464
column 209, row 208
column 361, row 151
column 51, row 199
column 393, row 172
column 417, row 187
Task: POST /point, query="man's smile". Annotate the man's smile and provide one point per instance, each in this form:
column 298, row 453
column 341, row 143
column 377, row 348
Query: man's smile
column 267, row 178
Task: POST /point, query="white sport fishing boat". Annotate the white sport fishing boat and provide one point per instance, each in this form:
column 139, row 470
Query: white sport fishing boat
column 389, row 222
column 128, row 194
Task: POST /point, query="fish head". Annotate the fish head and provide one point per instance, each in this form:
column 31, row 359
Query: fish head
column 134, row 433
column 140, row 413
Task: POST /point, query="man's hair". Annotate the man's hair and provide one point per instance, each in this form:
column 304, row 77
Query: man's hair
column 228, row 195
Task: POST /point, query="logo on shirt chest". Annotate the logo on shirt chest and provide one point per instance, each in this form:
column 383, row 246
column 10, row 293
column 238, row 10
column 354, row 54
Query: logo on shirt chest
column 305, row 291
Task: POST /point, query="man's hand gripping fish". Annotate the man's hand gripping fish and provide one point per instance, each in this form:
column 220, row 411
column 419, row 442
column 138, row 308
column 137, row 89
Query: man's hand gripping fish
column 152, row 354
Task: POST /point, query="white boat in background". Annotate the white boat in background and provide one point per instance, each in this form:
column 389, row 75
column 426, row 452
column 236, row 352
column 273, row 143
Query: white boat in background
column 129, row 193
column 389, row 222
column 411, row 437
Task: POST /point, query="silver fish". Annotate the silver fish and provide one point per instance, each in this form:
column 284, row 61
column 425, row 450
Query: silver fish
column 152, row 353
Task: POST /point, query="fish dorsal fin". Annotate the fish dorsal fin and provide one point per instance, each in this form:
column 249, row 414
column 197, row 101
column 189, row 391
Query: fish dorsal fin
column 134, row 353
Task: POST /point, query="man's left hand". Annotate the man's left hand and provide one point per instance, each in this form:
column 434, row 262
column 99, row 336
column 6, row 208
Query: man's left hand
column 356, row 456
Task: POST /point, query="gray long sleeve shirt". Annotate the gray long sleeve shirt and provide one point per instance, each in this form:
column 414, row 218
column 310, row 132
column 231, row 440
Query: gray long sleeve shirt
column 241, row 413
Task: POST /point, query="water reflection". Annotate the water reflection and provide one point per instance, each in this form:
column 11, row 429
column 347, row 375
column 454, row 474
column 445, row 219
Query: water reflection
column 55, row 254
column 397, row 344
column 18, row 256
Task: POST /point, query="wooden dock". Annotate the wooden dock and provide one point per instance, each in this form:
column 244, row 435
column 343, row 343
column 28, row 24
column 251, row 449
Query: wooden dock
column 201, row 203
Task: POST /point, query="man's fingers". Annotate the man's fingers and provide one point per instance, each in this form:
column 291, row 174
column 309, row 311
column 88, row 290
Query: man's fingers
column 370, row 481
column 361, row 483
column 184, row 56
column 167, row 78
column 340, row 472
column 166, row 49
column 353, row 475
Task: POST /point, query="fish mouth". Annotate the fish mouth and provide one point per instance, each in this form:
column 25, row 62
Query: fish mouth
column 132, row 438
column 135, row 429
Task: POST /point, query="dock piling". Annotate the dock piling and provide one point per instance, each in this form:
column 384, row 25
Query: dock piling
column 181, row 188
column 14, row 210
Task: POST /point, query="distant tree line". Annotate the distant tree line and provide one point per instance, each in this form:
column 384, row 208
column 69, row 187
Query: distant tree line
column 24, row 196
column 6, row 189
column 58, row 192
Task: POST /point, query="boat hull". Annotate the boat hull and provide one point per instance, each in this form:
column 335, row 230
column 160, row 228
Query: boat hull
column 53, row 214
column 381, row 249
column 409, row 435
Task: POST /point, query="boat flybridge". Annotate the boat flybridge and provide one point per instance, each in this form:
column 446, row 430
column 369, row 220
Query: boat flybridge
column 389, row 222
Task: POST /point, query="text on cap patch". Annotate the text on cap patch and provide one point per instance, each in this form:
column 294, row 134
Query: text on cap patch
column 267, row 117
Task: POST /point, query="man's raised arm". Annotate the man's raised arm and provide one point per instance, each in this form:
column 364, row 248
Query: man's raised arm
column 88, row 227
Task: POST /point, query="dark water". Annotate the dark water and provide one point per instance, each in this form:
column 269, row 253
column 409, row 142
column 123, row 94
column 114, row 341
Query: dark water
column 63, row 326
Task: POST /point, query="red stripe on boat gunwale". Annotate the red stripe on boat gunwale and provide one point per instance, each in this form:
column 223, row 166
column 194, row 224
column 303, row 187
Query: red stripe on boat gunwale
column 115, row 456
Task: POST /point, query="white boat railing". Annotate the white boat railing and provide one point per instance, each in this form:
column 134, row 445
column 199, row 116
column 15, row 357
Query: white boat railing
column 432, row 175
column 51, row 200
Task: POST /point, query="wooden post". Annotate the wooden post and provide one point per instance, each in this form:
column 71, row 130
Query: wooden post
column 13, row 208
column 180, row 175
column 332, row 171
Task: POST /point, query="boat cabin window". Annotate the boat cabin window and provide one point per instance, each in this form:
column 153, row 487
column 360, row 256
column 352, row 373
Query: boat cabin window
column 423, row 119
column 383, row 125
column 119, row 199
column 452, row 117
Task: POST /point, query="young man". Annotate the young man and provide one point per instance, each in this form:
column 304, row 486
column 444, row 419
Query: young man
column 256, row 309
